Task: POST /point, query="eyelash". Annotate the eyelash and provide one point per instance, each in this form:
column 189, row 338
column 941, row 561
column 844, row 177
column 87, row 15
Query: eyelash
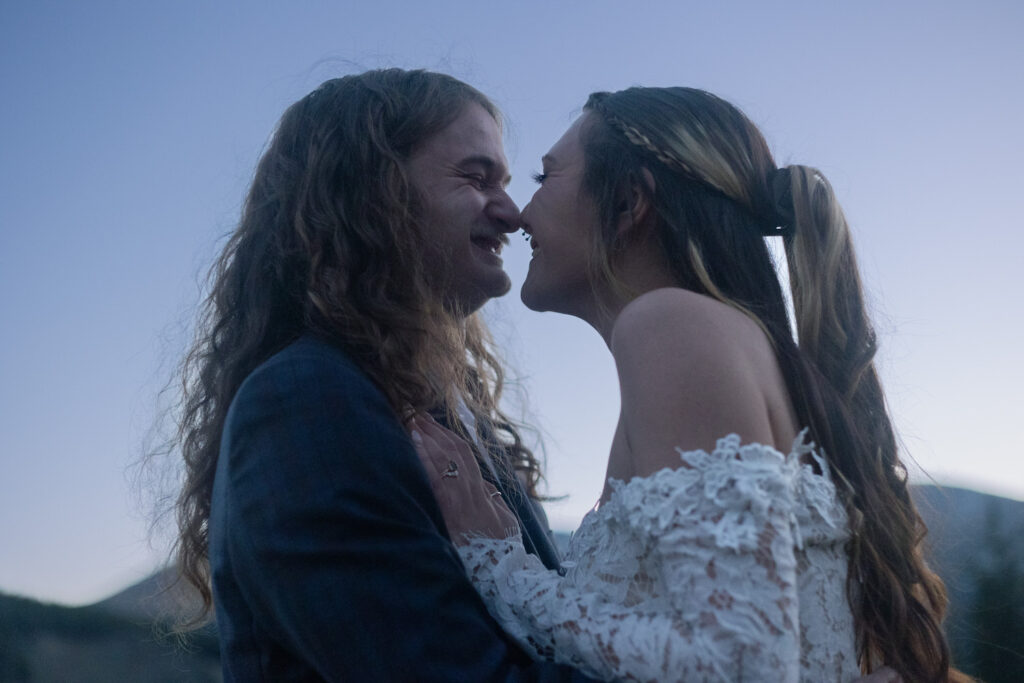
column 539, row 178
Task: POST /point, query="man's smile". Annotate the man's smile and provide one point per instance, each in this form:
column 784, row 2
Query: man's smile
column 491, row 244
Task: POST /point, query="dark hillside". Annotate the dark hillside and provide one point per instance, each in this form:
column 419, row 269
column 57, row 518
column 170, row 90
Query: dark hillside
column 40, row 643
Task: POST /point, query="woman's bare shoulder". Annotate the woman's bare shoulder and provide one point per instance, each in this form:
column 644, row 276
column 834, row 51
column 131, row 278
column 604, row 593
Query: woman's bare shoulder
column 684, row 320
column 687, row 374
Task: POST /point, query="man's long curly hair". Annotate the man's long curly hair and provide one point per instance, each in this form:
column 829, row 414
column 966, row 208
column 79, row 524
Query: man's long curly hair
column 716, row 192
column 329, row 244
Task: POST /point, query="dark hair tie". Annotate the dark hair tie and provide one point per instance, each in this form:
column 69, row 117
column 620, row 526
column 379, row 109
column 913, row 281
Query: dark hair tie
column 783, row 216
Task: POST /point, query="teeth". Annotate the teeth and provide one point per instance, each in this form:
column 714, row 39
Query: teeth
column 493, row 246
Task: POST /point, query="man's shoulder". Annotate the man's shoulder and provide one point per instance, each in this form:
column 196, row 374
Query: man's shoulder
column 308, row 377
column 311, row 397
column 310, row 350
column 311, row 362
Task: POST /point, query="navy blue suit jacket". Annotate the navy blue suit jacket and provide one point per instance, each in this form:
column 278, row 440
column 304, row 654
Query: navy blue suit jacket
column 329, row 555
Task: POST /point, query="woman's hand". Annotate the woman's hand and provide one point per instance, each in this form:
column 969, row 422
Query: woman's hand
column 470, row 505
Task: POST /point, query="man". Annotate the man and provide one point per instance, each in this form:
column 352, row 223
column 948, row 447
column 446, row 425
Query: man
column 344, row 301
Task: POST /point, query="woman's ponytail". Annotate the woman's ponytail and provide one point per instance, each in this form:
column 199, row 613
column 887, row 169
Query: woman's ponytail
column 897, row 626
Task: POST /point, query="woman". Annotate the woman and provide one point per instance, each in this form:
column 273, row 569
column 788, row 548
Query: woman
column 794, row 556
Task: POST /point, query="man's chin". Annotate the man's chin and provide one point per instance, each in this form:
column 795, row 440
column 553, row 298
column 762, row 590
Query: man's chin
column 501, row 288
column 467, row 303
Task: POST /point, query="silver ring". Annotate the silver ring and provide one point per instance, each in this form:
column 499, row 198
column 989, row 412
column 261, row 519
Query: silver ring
column 496, row 493
column 452, row 472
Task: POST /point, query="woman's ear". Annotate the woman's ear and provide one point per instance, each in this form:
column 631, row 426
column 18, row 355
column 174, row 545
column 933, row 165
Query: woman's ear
column 634, row 204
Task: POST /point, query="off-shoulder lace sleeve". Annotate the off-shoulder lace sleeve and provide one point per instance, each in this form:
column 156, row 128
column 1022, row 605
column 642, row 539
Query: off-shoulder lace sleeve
column 689, row 574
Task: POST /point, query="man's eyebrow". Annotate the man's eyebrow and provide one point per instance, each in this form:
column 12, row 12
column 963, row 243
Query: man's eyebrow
column 487, row 162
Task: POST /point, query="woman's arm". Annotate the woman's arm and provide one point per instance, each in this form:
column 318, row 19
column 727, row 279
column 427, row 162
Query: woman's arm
column 714, row 553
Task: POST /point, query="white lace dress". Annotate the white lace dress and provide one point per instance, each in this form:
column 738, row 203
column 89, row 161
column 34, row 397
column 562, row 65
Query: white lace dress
column 730, row 568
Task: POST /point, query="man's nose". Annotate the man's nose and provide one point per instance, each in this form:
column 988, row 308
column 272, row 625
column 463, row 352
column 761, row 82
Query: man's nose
column 505, row 212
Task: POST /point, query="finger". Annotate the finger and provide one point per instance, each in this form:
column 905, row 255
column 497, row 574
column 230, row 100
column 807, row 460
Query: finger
column 448, row 491
column 427, row 456
column 416, row 421
column 421, row 424
column 443, row 436
column 494, row 496
column 427, row 452
column 440, row 433
column 456, row 484
column 500, row 506
column 432, row 442
column 454, row 448
column 443, row 478
column 407, row 416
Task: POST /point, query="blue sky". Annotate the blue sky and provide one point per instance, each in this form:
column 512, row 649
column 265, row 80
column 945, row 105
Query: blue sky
column 129, row 131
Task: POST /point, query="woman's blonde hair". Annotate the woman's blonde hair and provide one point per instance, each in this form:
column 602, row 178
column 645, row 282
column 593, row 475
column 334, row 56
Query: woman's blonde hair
column 717, row 194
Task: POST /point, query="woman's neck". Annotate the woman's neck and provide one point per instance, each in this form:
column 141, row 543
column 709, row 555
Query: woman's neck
column 635, row 277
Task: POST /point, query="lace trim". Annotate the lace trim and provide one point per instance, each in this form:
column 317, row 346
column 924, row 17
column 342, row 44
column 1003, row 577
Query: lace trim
column 729, row 567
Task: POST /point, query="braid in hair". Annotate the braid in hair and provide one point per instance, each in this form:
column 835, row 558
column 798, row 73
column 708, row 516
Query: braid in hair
column 664, row 155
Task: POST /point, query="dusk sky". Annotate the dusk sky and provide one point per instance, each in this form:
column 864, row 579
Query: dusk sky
column 129, row 132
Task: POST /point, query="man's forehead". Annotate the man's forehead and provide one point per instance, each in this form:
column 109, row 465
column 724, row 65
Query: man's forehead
column 474, row 135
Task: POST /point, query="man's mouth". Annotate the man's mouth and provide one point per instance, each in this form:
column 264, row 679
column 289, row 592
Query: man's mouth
column 489, row 244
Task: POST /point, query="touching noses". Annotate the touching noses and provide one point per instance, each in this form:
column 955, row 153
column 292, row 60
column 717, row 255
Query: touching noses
column 504, row 212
